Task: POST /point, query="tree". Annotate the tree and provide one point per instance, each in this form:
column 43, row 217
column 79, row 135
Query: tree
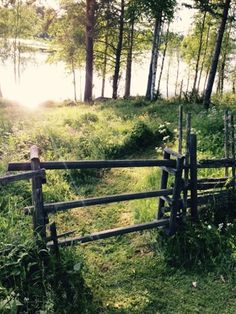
column 216, row 54
column 118, row 50
column 90, row 21
column 67, row 31
column 160, row 11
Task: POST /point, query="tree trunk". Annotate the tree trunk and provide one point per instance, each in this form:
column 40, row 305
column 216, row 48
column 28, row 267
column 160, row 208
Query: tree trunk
column 216, row 55
column 199, row 53
column 129, row 60
column 207, row 74
column 167, row 78
column 188, row 80
column 163, row 58
column 104, row 70
column 90, row 19
column 74, row 79
column 177, row 73
column 118, row 51
column 204, row 57
column 154, row 58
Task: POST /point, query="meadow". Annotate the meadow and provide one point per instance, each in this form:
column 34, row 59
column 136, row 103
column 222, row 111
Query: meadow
column 190, row 272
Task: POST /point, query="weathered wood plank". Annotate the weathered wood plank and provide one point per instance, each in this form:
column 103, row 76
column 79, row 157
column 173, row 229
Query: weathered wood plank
column 39, row 217
column 223, row 179
column 172, row 152
column 164, row 180
column 178, row 186
column 61, row 235
column 193, row 176
column 54, row 237
column 180, row 131
column 213, row 185
column 94, row 164
column 22, row 176
column 169, row 170
column 186, row 163
column 112, row 232
column 226, row 138
column 54, row 207
column 232, row 147
column 167, row 199
column 215, row 163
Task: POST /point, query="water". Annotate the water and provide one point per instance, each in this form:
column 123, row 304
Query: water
column 41, row 82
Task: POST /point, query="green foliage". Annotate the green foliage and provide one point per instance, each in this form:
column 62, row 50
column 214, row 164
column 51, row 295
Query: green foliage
column 210, row 132
column 201, row 246
column 128, row 274
column 33, row 280
column 68, row 33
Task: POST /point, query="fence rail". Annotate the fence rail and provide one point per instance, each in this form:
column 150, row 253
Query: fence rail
column 111, row 233
column 22, row 176
column 93, row 164
column 55, row 207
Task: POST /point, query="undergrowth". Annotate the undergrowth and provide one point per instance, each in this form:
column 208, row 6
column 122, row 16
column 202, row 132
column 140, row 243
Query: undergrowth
column 138, row 273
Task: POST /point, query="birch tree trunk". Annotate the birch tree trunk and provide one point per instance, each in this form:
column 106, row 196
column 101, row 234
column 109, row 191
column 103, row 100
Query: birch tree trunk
column 90, row 19
column 216, row 54
column 129, row 60
column 177, row 73
column 163, row 58
column 104, row 70
column 167, row 78
column 74, row 79
column 118, row 51
column 204, row 57
column 199, row 53
column 154, row 58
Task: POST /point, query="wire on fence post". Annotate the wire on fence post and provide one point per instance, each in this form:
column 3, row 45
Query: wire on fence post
column 39, row 217
column 193, row 176
column 226, row 142
column 180, row 135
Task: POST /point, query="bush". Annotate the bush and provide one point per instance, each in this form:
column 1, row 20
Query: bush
column 33, row 280
column 202, row 245
column 211, row 135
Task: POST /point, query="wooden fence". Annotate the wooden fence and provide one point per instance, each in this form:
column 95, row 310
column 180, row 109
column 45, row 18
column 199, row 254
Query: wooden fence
column 175, row 203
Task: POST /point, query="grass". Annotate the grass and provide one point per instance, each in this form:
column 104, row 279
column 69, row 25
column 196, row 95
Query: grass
column 136, row 273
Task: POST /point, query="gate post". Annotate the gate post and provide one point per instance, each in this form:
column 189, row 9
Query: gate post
column 39, row 217
column 193, row 176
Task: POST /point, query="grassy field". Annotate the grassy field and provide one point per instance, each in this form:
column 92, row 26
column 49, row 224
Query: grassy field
column 191, row 272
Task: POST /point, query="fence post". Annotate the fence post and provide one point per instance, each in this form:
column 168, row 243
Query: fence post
column 53, row 233
column 176, row 195
column 186, row 162
column 233, row 148
column 39, row 217
column 180, row 129
column 164, row 180
column 193, row 176
column 226, row 143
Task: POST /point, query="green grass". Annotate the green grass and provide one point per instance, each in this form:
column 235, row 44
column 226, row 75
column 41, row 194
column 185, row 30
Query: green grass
column 137, row 273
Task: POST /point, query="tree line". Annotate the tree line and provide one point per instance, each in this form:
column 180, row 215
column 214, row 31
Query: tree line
column 108, row 36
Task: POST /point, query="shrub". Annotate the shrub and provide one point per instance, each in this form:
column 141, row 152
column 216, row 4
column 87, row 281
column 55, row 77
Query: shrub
column 202, row 245
column 33, row 280
column 211, row 135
